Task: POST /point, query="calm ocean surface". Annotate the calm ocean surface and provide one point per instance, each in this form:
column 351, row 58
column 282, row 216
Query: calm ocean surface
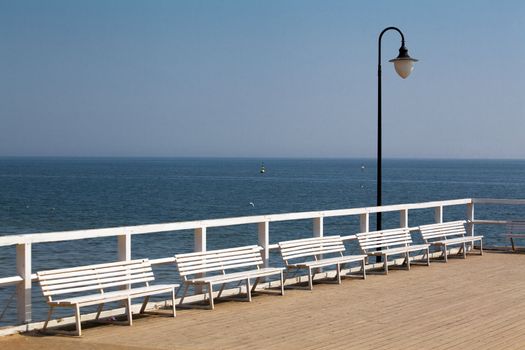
column 46, row 194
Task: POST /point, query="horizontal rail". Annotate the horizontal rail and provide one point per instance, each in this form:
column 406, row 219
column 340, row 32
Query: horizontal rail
column 7, row 281
column 13, row 280
column 498, row 201
column 6, row 240
column 491, row 222
column 23, row 242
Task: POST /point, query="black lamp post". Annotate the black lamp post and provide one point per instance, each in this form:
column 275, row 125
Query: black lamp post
column 404, row 65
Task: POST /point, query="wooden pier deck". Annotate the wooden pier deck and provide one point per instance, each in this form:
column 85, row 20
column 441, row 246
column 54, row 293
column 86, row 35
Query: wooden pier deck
column 477, row 303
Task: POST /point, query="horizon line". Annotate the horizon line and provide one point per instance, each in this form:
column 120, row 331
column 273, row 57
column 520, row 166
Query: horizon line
column 248, row 157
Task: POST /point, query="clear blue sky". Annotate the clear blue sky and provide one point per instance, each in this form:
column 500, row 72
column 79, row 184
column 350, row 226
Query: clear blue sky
column 260, row 78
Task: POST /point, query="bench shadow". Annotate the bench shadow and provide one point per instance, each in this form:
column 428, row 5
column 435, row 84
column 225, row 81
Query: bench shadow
column 69, row 330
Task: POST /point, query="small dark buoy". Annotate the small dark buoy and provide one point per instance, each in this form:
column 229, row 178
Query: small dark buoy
column 262, row 171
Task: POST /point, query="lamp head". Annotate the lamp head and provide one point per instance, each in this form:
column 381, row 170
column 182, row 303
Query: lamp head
column 403, row 63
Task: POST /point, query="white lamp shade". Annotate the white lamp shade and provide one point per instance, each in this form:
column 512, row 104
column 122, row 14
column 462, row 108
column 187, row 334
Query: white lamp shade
column 404, row 67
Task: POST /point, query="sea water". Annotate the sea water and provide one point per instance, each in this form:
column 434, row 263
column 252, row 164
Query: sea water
column 59, row 194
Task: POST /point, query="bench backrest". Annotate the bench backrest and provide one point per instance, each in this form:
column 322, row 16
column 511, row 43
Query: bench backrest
column 444, row 230
column 218, row 261
column 370, row 241
column 311, row 247
column 516, row 227
column 95, row 277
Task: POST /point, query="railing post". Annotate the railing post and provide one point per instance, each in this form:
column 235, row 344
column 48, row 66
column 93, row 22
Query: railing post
column 23, row 289
column 403, row 218
column 200, row 240
column 364, row 222
column 438, row 214
column 124, row 247
column 199, row 245
column 470, row 217
column 319, row 232
column 318, row 227
column 264, row 241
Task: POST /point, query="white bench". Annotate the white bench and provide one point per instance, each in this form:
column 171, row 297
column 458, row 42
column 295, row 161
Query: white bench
column 390, row 242
column 515, row 229
column 309, row 251
column 246, row 263
column 450, row 233
column 99, row 284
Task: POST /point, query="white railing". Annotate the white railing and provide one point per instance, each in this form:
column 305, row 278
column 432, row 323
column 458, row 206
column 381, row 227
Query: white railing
column 24, row 278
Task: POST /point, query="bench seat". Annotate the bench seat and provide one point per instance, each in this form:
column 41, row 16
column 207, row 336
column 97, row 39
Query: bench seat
column 449, row 233
column 193, row 267
column 118, row 281
column 391, row 242
column 311, row 254
column 328, row 261
column 401, row 250
column 94, row 299
column 458, row 240
column 238, row 276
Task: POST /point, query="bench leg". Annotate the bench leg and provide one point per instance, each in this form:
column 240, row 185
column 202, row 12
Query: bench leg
column 144, row 304
column 512, row 243
column 51, row 308
column 408, row 260
column 77, row 320
column 338, row 268
column 99, row 310
column 428, row 256
column 210, row 292
column 363, row 264
column 186, row 285
column 385, row 265
column 255, row 284
column 282, row 282
column 445, row 252
column 222, row 289
column 128, row 311
column 248, row 290
column 465, row 250
column 173, row 302
column 310, row 278
column 480, row 246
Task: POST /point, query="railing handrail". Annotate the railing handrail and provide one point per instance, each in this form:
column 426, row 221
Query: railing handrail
column 498, row 201
column 14, row 239
column 23, row 242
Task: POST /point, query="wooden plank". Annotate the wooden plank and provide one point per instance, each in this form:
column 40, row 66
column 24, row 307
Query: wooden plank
column 226, row 252
column 219, row 266
column 313, row 248
column 93, row 271
column 364, row 241
column 82, row 277
column 202, row 269
column 298, row 242
column 211, row 257
column 219, row 260
column 311, row 253
column 94, row 287
column 98, row 283
column 102, row 267
column 312, row 245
